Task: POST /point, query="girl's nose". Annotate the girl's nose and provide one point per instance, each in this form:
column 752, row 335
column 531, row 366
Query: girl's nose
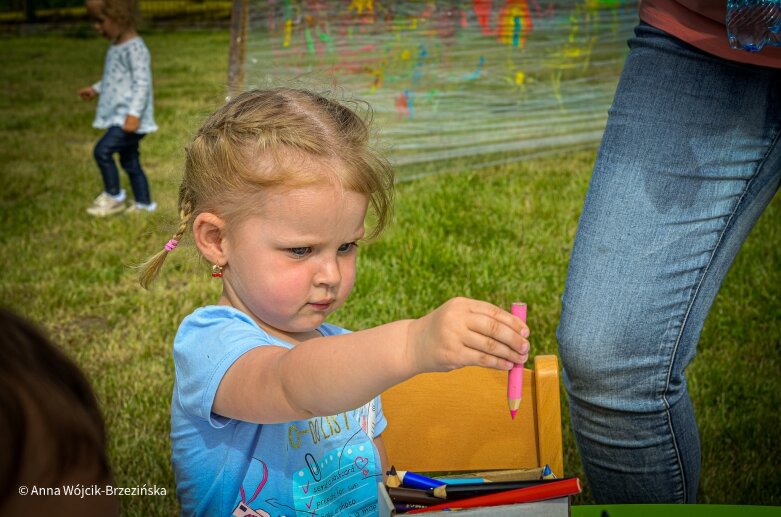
column 328, row 272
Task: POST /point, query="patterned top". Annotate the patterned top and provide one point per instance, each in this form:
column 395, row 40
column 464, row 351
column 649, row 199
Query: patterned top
column 126, row 87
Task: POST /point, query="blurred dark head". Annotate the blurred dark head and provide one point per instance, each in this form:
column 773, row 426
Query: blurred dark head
column 51, row 428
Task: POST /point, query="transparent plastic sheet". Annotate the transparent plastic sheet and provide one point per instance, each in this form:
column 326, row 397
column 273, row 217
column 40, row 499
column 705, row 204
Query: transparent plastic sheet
column 752, row 24
column 460, row 82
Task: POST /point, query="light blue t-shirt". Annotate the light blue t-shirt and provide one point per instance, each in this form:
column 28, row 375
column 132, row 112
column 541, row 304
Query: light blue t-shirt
column 324, row 466
column 126, row 87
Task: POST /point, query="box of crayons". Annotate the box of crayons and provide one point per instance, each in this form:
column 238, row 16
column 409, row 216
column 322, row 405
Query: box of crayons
column 516, row 493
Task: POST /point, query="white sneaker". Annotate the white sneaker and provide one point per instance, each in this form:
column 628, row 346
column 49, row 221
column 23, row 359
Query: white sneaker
column 135, row 208
column 106, row 204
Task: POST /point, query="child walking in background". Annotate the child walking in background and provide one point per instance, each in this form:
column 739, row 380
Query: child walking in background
column 275, row 411
column 125, row 106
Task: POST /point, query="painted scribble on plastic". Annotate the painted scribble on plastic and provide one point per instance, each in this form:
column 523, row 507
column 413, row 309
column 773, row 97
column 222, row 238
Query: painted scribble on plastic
column 489, row 81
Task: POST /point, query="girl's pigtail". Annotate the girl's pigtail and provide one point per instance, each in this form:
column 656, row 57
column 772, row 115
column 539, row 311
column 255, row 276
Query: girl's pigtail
column 151, row 268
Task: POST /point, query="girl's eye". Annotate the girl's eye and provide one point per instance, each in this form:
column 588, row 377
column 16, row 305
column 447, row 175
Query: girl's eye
column 300, row 252
column 344, row 248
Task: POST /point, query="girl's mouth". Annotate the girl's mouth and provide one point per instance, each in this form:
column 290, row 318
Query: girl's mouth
column 321, row 305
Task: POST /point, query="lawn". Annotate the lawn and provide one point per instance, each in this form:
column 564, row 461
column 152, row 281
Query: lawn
column 494, row 233
column 153, row 11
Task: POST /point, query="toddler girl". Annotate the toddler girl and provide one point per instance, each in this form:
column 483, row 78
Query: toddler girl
column 125, row 107
column 275, row 411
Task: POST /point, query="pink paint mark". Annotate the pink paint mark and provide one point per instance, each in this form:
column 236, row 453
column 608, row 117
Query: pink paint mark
column 548, row 12
column 402, row 106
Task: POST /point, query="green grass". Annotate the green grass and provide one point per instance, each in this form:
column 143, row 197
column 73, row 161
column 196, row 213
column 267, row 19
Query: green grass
column 151, row 12
column 491, row 234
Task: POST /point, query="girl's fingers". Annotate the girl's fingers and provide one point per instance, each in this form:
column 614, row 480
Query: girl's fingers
column 480, row 334
column 499, row 336
column 473, row 357
column 494, row 312
column 487, row 345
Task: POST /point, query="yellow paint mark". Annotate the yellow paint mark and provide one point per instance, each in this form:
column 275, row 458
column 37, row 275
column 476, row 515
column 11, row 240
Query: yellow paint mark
column 362, row 5
column 288, row 33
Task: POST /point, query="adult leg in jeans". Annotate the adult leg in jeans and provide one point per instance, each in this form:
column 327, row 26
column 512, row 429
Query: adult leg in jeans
column 129, row 158
column 689, row 159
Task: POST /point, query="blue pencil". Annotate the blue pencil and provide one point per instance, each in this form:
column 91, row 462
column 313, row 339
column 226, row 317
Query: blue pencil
column 419, row 481
column 461, row 481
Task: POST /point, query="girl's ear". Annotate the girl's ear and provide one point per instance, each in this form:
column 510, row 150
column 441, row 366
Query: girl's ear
column 208, row 231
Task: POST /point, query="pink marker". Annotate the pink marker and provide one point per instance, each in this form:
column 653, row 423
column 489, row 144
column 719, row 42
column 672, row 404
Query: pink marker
column 515, row 376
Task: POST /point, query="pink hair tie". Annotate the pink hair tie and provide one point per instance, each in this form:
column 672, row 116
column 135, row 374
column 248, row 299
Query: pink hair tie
column 170, row 245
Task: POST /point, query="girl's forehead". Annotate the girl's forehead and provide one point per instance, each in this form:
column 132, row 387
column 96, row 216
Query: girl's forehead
column 331, row 191
column 313, row 211
column 295, row 167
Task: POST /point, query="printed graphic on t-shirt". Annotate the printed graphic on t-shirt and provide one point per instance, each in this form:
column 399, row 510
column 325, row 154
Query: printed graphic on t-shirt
column 340, row 483
column 367, row 417
column 335, row 473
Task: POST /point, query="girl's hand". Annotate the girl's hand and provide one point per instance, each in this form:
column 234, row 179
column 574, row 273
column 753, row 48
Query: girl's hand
column 465, row 332
column 131, row 124
column 88, row 93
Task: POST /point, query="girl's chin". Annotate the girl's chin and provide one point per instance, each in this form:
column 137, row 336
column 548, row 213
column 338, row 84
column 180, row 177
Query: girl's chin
column 304, row 327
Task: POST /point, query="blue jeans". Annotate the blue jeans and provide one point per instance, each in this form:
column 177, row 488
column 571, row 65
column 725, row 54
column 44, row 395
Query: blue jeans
column 126, row 144
column 689, row 159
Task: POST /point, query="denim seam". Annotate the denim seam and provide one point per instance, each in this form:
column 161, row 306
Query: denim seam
column 749, row 182
column 680, row 334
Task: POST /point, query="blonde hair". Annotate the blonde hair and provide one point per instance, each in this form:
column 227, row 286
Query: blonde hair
column 124, row 13
column 260, row 139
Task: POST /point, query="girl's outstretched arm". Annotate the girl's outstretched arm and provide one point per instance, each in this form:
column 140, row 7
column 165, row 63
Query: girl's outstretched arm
column 329, row 375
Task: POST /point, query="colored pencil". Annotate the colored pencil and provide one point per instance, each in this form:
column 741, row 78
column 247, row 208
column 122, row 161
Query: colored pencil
column 411, row 495
column 501, row 475
column 405, row 507
column 515, row 376
column 392, row 478
column 474, row 489
column 415, row 480
column 461, row 481
column 552, row 490
column 547, row 473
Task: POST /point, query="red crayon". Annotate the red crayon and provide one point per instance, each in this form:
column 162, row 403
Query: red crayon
column 552, row 490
